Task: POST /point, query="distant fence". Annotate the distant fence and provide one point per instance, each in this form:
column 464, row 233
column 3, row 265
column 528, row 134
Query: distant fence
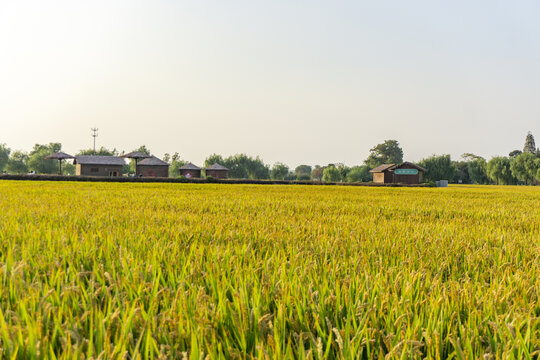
column 125, row 179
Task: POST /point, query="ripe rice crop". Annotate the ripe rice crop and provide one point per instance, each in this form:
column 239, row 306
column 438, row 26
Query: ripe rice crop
column 142, row 271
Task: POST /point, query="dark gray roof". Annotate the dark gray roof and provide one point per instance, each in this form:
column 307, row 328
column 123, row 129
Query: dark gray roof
column 408, row 164
column 381, row 168
column 216, row 166
column 98, row 160
column 59, row 156
column 190, row 166
column 153, row 161
column 136, row 155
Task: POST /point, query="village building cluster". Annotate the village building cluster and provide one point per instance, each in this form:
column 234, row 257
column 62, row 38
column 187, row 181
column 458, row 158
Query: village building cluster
column 145, row 166
column 151, row 166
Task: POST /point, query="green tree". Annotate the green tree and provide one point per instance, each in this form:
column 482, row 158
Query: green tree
column 530, row 146
column 279, row 171
column 143, row 149
column 241, row 166
column 17, row 163
column 343, row 171
column 471, row 157
column 498, row 170
column 303, row 172
column 439, row 167
column 525, row 167
column 359, row 174
column 388, row 152
column 37, row 162
column 68, row 169
column 4, row 156
column 478, row 171
column 331, row 174
column 538, row 169
column 317, row 173
column 214, row 159
column 175, row 164
column 514, row 153
column 462, row 172
column 101, row 151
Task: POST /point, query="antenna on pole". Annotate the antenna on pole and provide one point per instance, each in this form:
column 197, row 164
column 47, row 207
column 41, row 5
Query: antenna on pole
column 94, row 135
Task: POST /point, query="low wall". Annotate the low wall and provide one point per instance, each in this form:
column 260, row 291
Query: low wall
column 125, row 179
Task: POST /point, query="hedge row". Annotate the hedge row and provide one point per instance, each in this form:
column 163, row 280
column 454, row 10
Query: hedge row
column 125, row 179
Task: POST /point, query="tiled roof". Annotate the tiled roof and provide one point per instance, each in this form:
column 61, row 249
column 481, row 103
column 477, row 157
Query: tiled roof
column 381, row 168
column 136, row 155
column 216, row 167
column 190, row 166
column 153, row 161
column 98, row 160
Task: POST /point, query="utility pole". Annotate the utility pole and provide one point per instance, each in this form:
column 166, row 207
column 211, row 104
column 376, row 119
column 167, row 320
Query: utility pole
column 94, row 135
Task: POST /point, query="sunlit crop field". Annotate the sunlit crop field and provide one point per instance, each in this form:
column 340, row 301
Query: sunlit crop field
column 103, row 270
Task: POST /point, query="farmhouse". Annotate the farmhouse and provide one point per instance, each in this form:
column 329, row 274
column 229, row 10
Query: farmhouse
column 96, row 165
column 190, row 171
column 152, row 167
column 217, row 171
column 404, row 173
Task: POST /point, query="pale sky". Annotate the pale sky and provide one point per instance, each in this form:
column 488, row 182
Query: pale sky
column 301, row 82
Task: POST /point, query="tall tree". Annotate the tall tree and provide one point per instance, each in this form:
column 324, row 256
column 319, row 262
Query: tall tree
column 530, row 146
column 478, row 171
column 38, row 163
column 317, row 173
column 359, row 174
column 388, row 152
column 17, row 163
column 525, row 167
column 214, row 159
column 175, row 164
column 241, row 166
column 331, row 174
column 471, row 157
column 343, row 171
column 302, row 172
column 462, row 172
column 4, row 156
column 439, row 167
column 498, row 170
column 279, row 171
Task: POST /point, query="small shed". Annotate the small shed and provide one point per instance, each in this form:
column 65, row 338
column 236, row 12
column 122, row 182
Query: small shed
column 98, row 165
column 217, row 171
column 152, row 167
column 190, row 171
column 404, row 173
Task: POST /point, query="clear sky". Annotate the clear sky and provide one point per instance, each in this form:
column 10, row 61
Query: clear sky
column 295, row 81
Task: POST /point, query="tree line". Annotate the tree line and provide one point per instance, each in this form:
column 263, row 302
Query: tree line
column 520, row 166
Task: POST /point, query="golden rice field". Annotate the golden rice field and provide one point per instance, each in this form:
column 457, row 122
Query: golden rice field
column 142, row 271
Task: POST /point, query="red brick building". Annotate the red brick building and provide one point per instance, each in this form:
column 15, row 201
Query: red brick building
column 190, row 171
column 152, row 167
column 217, row 171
